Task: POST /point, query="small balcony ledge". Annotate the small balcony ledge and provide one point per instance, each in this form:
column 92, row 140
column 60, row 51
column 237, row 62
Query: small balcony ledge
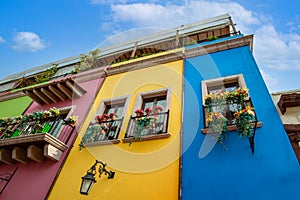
column 146, row 138
column 231, row 128
column 35, row 147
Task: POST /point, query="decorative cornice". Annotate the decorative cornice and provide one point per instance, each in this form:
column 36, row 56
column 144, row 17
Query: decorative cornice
column 54, row 91
column 220, row 46
column 292, row 128
column 165, row 57
column 30, row 139
column 82, row 77
column 288, row 100
column 144, row 63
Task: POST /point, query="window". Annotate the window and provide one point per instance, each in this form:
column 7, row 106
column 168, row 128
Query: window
column 106, row 126
column 220, row 86
column 228, row 107
column 228, row 83
column 152, row 102
column 150, row 116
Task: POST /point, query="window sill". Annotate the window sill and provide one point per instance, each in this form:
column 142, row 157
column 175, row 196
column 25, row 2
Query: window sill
column 146, row 137
column 230, row 128
column 100, row 143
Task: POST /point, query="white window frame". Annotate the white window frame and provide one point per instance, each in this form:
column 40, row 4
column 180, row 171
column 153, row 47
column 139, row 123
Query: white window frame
column 239, row 78
column 150, row 94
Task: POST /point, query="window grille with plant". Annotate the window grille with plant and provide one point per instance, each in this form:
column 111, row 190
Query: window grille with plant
column 107, row 125
column 227, row 104
column 149, row 120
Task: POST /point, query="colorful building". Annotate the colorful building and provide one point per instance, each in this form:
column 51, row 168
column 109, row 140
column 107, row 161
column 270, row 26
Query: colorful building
column 180, row 114
column 288, row 107
column 254, row 159
column 37, row 132
column 143, row 149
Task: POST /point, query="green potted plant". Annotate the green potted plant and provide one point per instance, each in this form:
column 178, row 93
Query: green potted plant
column 244, row 119
column 217, row 123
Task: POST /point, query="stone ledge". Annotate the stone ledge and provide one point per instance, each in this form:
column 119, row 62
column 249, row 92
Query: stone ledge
column 30, row 139
column 146, row 137
column 231, row 128
column 100, row 143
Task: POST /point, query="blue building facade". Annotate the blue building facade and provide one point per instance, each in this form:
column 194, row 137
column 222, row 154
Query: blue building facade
column 230, row 170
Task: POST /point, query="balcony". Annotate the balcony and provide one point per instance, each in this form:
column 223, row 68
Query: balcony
column 147, row 127
column 102, row 133
column 288, row 100
column 34, row 139
column 228, row 111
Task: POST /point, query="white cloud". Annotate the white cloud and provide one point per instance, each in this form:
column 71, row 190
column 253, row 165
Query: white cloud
column 27, row 41
column 276, row 50
column 273, row 49
column 2, row 40
column 171, row 15
column 108, row 1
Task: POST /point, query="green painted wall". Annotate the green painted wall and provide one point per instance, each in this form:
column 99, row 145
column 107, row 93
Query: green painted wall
column 14, row 107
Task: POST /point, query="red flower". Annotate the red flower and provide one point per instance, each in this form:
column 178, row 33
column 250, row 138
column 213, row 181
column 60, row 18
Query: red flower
column 158, row 108
column 113, row 114
column 139, row 111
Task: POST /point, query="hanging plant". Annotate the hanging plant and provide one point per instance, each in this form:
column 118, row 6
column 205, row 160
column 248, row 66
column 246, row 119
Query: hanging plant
column 217, row 123
column 46, row 75
column 244, row 119
column 71, row 121
column 54, row 112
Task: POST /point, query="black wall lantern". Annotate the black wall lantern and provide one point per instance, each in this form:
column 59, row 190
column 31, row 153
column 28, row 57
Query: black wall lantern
column 89, row 179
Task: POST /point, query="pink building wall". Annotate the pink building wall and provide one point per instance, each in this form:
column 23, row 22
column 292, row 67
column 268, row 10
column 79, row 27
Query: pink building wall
column 33, row 180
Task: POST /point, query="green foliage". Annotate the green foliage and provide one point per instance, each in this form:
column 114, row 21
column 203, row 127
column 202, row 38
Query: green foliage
column 212, row 38
column 46, row 75
column 88, row 61
column 244, row 120
column 191, row 43
column 217, row 123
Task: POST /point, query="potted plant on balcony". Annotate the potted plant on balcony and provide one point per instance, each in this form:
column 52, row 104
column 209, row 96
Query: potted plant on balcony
column 217, row 123
column 5, row 121
column 216, row 99
column 54, row 111
column 244, row 119
column 143, row 124
column 108, row 126
column 71, row 121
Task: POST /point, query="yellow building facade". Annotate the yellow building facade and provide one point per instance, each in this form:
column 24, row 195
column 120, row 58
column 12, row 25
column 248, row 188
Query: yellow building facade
column 146, row 167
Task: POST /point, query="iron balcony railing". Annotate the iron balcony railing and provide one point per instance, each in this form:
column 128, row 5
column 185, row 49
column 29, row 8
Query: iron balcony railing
column 148, row 125
column 103, row 131
column 53, row 126
column 227, row 109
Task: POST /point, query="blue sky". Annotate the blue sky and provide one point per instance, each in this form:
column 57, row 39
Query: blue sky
column 38, row 32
